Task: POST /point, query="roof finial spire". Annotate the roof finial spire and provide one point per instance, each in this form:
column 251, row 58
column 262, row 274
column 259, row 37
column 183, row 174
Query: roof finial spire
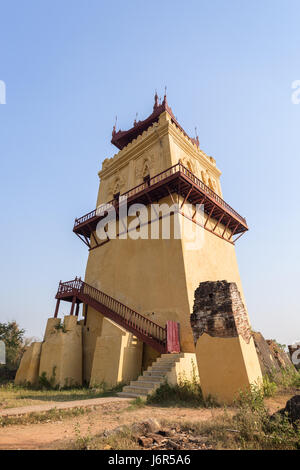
column 114, row 128
column 135, row 121
column 156, row 104
column 165, row 97
column 197, row 137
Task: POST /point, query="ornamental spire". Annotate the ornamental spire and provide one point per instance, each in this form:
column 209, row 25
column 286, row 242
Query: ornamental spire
column 114, row 131
column 156, row 103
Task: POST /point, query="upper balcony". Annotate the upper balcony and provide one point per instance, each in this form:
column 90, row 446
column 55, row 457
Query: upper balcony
column 175, row 180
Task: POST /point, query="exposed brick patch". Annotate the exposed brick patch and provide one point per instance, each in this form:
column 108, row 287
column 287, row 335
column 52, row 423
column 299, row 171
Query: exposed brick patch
column 219, row 311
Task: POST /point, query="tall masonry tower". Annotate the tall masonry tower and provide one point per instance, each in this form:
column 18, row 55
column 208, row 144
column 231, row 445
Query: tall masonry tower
column 160, row 229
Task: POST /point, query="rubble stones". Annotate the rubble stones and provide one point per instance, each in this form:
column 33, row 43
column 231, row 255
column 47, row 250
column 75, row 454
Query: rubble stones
column 292, row 410
column 168, row 439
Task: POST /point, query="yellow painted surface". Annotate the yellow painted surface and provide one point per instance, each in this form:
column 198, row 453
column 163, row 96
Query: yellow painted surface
column 61, row 355
column 28, row 370
column 149, row 356
column 215, row 260
column 50, row 327
column 90, row 332
column 117, row 357
column 226, row 366
column 185, row 370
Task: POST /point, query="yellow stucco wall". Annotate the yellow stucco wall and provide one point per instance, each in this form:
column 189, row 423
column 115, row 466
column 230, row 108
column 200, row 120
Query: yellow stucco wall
column 226, row 366
column 117, row 357
column 90, row 332
column 215, row 260
column 61, row 354
column 186, row 369
column 28, row 370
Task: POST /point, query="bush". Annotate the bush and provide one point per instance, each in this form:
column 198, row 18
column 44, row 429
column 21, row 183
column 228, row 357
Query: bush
column 258, row 430
column 48, row 384
column 185, row 393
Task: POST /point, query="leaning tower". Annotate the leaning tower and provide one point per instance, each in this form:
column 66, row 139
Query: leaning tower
column 140, row 281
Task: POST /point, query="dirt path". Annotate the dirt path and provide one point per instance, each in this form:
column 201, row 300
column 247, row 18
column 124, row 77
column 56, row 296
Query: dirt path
column 108, row 414
column 60, row 406
column 57, row 435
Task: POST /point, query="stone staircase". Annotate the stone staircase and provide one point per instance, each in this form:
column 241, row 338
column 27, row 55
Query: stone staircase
column 164, row 369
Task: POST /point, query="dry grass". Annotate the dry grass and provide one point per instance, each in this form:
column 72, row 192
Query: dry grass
column 43, row 417
column 13, row 396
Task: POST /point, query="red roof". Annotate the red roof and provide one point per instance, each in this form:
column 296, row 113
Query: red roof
column 122, row 138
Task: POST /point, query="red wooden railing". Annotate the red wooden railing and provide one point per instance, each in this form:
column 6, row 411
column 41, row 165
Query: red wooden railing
column 145, row 329
column 175, row 169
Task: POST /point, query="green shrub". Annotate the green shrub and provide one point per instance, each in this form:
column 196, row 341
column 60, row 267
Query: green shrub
column 186, row 393
column 48, row 384
column 269, row 387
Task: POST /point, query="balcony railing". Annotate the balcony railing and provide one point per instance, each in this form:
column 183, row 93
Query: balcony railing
column 177, row 169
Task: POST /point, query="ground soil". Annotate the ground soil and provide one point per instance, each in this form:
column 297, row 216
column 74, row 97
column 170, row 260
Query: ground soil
column 106, row 416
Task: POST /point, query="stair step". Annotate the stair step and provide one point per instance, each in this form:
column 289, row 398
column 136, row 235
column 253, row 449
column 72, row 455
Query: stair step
column 150, row 373
column 137, row 390
column 170, row 358
column 161, row 366
column 146, row 384
column 151, row 378
column 131, row 395
column 162, row 370
column 167, row 355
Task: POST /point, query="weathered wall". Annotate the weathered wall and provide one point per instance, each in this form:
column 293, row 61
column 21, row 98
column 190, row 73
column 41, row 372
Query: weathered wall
column 280, row 356
column 117, row 357
column 271, row 357
column 150, row 355
column 91, row 331
column 28, row 370
column 61, row 355
column 186, row 369
column 225, row 350
column 267, row 361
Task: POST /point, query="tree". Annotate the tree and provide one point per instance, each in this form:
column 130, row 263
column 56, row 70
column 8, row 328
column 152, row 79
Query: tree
column 13, row 337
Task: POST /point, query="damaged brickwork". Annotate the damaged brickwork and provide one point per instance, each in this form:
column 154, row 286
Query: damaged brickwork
column 219, row 311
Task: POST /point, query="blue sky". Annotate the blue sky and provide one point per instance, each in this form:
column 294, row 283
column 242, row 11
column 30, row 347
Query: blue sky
column 71, row 66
